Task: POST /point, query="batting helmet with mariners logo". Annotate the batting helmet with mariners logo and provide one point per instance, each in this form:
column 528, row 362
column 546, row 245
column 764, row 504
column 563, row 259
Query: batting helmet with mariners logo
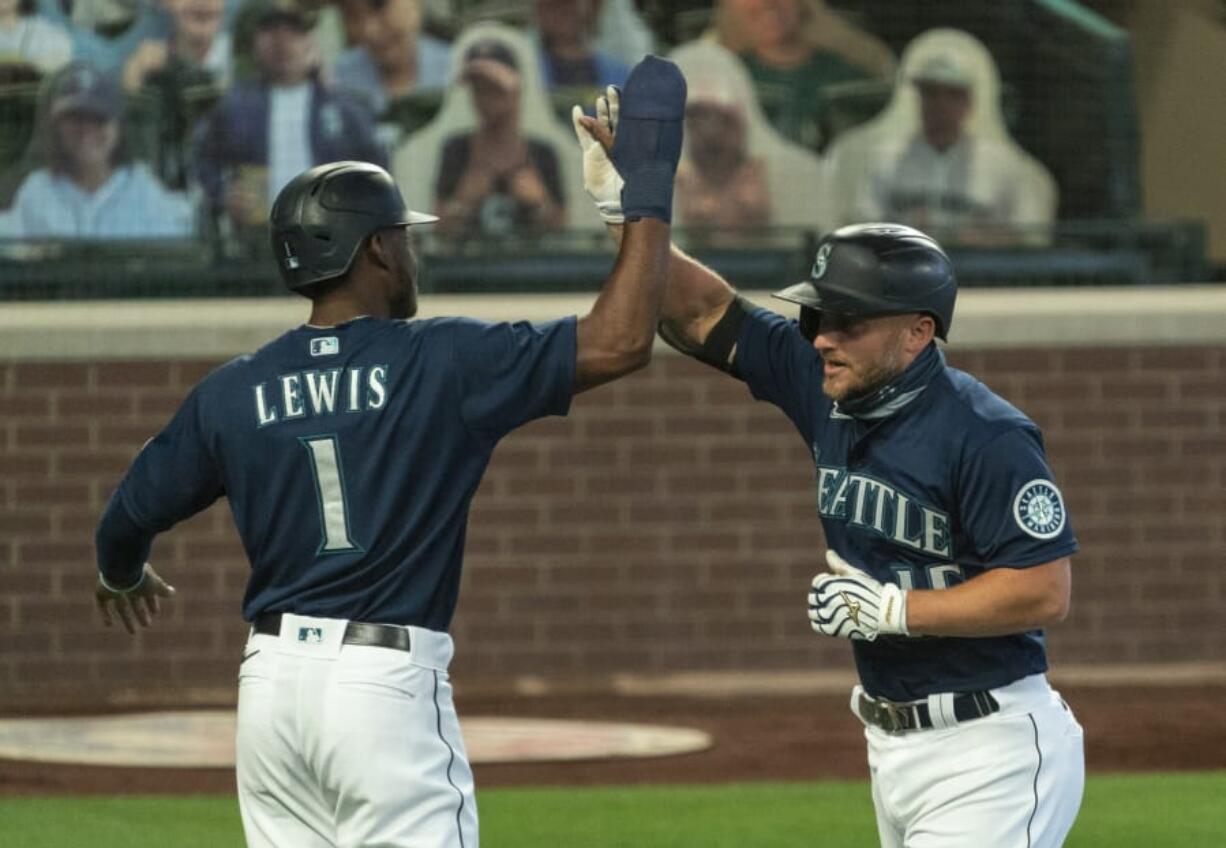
column 324, row 214
column 876, row 269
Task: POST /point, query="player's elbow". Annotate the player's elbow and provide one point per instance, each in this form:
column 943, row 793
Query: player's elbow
column 626, row 349
column 632, row 356
column 1056, row 610
column 604, row 355
column 1049, row 592
column 1052, row 607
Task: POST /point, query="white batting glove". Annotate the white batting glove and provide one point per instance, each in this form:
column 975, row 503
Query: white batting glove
column 600, row 178
column 849, row 604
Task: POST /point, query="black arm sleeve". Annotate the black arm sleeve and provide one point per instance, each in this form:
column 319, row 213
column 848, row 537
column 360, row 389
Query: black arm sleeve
column 716, row 351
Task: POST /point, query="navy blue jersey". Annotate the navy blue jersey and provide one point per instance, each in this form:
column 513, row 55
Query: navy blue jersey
column 349, row 456
column 946, row 482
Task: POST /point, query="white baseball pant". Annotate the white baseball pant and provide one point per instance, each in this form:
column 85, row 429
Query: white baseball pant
column 1012, row 779
column 341, row 746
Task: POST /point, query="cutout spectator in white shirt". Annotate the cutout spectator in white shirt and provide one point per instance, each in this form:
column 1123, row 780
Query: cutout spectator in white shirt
column 939, row 157
column 89, row 187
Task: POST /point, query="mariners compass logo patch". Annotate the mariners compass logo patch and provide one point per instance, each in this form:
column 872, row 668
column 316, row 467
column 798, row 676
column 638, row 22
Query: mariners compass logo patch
column 1039, row 509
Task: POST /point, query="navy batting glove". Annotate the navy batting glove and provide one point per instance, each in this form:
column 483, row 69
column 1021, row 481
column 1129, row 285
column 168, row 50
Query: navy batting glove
column 647, row 145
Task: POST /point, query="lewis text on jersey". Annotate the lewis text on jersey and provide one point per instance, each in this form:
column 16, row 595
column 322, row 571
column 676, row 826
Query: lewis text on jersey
column 313, row 393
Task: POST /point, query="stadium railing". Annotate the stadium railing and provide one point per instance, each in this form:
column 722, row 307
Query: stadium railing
column 1075, row 253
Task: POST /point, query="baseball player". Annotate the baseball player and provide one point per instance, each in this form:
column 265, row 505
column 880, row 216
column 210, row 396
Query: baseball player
column 349, row 450
column 948, row 541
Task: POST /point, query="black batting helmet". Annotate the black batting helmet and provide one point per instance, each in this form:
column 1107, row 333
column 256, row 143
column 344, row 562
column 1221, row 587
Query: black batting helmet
column 877, row 269
column 323, row 215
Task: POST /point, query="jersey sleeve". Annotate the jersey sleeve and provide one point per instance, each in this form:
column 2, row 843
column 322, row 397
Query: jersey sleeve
column 175, row 475
column 513, row 373
column 1012, row 511
column 777, row 364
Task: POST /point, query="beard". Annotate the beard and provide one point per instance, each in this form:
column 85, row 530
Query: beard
column 403, row 303
column 865, row 379
column 863, row 384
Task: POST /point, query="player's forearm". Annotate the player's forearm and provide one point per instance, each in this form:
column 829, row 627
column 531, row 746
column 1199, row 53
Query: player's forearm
column 615, row 338
column 122, row 546
column 996, row 603
column 694, row 296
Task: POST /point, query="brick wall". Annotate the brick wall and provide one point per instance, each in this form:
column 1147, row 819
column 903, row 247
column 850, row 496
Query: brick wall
column 666, row 525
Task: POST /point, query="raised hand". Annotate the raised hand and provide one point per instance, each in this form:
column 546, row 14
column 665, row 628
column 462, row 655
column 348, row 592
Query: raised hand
column 600, row 179
column 647, row 146
column 640, row 131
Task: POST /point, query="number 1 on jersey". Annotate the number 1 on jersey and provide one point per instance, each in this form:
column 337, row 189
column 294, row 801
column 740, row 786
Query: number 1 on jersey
column 330, row 487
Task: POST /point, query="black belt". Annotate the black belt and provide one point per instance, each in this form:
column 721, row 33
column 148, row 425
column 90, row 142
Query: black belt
column 899, row 718
column 356, row 632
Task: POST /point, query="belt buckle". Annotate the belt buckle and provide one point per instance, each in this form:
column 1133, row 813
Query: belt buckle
column 883, row 714
column 899, row 720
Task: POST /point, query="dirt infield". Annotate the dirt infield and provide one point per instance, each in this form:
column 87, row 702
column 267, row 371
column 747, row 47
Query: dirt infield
column 756, row 738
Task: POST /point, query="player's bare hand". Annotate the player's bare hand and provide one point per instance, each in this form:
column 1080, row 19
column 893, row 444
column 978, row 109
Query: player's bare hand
column 603, row 127
column 850, row 604
column 600, row 177
column 138, row 605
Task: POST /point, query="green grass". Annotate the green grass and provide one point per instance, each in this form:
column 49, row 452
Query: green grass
column 1167, row 810
column 744, row 815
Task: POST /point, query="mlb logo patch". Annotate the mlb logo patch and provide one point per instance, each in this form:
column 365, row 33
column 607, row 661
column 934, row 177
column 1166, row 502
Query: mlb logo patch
column 308, row 636
column 326, row 346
